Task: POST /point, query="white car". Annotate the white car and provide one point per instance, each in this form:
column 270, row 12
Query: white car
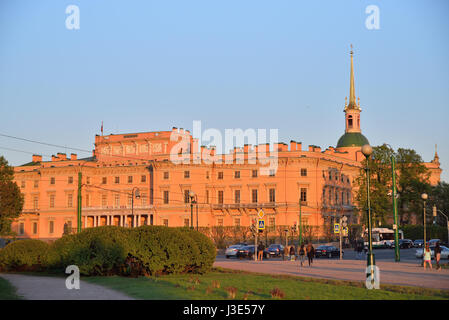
column 232, row 251
column 444, row 252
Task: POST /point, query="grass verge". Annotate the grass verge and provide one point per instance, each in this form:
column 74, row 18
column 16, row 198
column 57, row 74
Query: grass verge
column 7, row 291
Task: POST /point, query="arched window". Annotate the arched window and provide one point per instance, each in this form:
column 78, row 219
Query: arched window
column 358, row 122
column 349, row 121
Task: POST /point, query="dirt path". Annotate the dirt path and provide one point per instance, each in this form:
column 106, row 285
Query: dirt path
column 407, row 274
column 53, row 288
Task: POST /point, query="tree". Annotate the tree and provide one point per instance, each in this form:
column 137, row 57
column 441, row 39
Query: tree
column 411, row 181
column 11, row 199
column 439, row 196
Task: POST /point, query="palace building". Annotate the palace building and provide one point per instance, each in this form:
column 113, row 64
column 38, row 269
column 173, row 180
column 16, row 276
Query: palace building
column 130, row 180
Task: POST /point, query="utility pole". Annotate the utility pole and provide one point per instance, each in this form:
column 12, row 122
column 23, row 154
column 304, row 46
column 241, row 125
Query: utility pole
column 300, row 222
column 397, row 256
column 79, row 202
column 256, row 232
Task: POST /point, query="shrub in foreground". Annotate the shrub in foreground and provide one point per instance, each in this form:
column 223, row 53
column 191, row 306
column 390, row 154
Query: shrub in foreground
column 24, row 255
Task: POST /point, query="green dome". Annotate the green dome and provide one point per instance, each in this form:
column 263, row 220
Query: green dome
column 352, row 139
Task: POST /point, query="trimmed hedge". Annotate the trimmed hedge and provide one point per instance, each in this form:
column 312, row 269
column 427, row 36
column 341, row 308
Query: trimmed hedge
column 110, row 250
column 24, row 255
column 414, row 232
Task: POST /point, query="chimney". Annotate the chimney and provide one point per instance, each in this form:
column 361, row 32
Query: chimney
column 62, row 156
column 174, row 129
column 54, row 158
column 246, row 148
column 37, row 158
column 293, row 145
column 310, row 148
column 212, row 153
column 277, row 146
column 283, row 146
column 73, row 156
column 299, row 146
column 316, row 148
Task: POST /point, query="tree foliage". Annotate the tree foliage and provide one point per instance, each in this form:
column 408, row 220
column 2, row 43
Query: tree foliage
column 11, row 199
column 412, row 179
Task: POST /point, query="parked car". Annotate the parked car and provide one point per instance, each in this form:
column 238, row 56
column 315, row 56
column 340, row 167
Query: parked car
column 433, row 242
column 444, row 252
column 418, row 243
column 327, row 251
column 404, row 244
column 248, row 252
column 232, row 250
column 275, row 250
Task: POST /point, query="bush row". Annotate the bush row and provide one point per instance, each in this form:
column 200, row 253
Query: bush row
column 111, row 250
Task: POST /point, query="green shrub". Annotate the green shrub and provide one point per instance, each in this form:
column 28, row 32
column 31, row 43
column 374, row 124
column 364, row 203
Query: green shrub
column 24, row 255
column 206, row 247
column 412, row 231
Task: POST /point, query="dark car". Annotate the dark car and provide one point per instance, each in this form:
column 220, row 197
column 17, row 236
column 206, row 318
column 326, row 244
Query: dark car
column 404, row 244
column 248, row 253
column 418, row 243
column 275, row 250
column 327, row 251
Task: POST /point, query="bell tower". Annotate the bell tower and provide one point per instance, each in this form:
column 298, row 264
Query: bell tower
column 352, row 110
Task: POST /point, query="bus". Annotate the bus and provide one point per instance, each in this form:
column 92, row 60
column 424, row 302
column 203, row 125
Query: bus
column 382, row 237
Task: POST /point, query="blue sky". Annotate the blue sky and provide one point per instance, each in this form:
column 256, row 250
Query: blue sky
column 150, row 65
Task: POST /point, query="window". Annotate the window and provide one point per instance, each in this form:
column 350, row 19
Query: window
column 186, row 222
column 336, row 197
column 117, row 180
column 272, row 223
column 166, row 175
column 220, row 222
column 130, row 200
column 237, row 174
column 207, row 174
column 303, row 172
column 23, row 184
column 69, row 200
column 34, row 227
column 220, row 196
column 186, row 196
column 349, row 121
column 237, row 196
column 272, row 195
column 254, row 195
column 36, row 183
column 348, row 198
column 143, row 198
column 304, row 194
column 165, row 222
column 52, row 180
column 21, row 228
column 104, row 180
column 166, row 197
column 70, row 180
column 324, row 195
column 143, row 178
column 36, row 202
column 87, row 180
column 104, row 200
column 220, row 175
column 330, row 175
column 272, row 172
column 342, row 198
column 207, row 196
column 130, row 179
column 254, row 173
column 51, row 227
column 52, row 201
column 186, row 174
column 117, row 200
column 237, row 222
column 330, row 196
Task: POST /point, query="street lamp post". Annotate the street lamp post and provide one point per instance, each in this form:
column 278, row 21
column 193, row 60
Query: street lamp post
column 397, row 256
column 300, row 222
column 367, row 151
column 193, row 200
column 424, row 196
column 134, row 193
column 447, row 220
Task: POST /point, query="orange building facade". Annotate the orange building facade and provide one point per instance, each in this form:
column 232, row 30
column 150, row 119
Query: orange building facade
column 132, row 180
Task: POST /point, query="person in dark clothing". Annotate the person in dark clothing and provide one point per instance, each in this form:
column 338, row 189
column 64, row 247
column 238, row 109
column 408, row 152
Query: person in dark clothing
column 310, row 253
column 437, row 251
column 302, row 253
column 292, row 253
column 260, row 249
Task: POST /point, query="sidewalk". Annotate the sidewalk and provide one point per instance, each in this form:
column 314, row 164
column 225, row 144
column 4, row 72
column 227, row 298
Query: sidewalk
column 407, row 274
column 53, row 288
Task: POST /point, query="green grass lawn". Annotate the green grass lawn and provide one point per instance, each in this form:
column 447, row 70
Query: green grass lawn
column 7, row 291
column 254, row 286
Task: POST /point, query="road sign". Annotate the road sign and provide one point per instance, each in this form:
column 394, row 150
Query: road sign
column 336, row 228
column 261, row 214
column 344, row 222
column 344, row 231
column 261, row 224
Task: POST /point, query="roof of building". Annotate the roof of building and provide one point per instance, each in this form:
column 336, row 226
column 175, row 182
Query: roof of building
column 352, row 139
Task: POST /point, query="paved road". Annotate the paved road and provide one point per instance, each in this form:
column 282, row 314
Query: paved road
column 53, row 288
column 403, row 273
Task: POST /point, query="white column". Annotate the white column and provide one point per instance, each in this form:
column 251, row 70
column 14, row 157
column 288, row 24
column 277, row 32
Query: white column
column 134, row 221
column 138, row 220
column 95, row 221
column 85, row 221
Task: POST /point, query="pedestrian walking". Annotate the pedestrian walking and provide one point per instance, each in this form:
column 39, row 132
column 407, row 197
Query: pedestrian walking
column 437, row 251
column 427, row 257
column 292, row 253
column 260, row 249
column 310, row 253
column 359, row 249
column 302, row 253
column 285, row 253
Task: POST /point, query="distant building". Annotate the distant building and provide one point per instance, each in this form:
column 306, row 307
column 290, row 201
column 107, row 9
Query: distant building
column 227, row 194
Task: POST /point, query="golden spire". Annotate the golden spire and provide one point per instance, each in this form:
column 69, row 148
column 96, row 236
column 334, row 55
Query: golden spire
column 352, row 102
